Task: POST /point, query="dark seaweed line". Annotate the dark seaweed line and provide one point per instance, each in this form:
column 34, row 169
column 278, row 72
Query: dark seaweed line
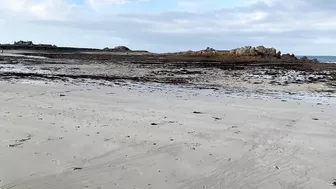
column 65, row 77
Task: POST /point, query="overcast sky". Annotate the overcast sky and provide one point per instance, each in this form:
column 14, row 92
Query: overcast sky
column 303, row 27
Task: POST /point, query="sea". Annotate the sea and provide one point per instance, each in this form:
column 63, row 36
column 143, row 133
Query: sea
column 323, row 59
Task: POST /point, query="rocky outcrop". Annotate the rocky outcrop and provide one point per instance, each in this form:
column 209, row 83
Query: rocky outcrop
column 118, row 49
column 305, row 59
column 248, row 53
column 261, row 51
column 256, row 51
column 288, row 57
column 208, row 52
column 122, row 48
column 209, row 49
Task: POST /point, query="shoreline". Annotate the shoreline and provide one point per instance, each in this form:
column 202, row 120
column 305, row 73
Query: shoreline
column 291, row 77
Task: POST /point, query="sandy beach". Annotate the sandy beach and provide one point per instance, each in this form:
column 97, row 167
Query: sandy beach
column 62, row 136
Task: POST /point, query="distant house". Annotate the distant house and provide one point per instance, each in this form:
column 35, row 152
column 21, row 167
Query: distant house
column 24, row 43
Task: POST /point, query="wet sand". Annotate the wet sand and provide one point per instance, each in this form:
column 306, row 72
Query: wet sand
column 61, row 136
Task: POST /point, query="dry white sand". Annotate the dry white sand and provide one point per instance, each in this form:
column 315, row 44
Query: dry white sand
column 114, row 137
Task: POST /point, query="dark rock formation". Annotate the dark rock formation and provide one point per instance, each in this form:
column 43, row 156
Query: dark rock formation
column 118, row 49
column 306, row 59
column 209, row 49
column 288, row 57
column 122, row 48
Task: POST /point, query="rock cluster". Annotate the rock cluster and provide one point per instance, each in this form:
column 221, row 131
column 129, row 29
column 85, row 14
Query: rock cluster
column 292, row 57
column 248, row 52
column 305, row 59
column 256, row 51
column 288, row 57
column 268, row 53
column 206, row 52
column 118, row 49
column 209, row 49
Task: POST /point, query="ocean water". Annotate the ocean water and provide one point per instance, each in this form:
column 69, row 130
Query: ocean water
column 324, row 59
